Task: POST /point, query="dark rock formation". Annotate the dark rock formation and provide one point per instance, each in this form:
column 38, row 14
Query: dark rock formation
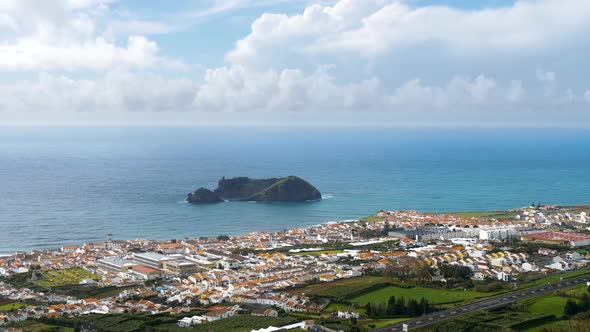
column 287, row 189
column 203, row 195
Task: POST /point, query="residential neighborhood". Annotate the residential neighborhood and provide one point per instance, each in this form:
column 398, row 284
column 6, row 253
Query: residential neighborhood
column 255, row 273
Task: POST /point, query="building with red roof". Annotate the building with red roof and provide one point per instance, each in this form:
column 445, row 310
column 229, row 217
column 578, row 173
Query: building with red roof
column 571, row 239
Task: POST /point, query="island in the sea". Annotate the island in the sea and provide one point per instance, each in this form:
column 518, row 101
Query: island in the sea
column 286, row 189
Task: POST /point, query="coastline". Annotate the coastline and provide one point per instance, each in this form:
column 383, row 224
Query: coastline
column 369, row 218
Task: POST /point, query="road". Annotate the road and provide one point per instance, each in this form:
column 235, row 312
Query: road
column 489, row 303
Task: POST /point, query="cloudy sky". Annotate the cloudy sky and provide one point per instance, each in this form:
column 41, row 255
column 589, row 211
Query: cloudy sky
column 313, row 62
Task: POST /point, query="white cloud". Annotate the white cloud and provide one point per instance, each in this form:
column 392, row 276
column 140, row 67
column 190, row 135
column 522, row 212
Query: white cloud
column 459, row 94
column 240, row 89
column 63, row 35
column 548, row 80
column 97, row 54
column 376, row 27
column 516, row 91
column 280, row 93
column 136, row 27
column 217, row 7
column 96, row 61
column 116, row 91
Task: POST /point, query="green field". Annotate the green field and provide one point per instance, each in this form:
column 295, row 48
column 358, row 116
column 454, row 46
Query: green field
column 551, row 304
column 560, row 325
column 378, row 323
column 56, row 278
column 339, row 306
column 341, row 289
column 554, row 278
column 34, row 326
column 85, row 291
column 12, row 306
column 434, row 296
column 513, row 320
column 372, row 218
column 23, row 280
column 485, row 214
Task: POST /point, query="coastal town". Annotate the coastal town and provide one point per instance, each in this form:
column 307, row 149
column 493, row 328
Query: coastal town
column 277, row 278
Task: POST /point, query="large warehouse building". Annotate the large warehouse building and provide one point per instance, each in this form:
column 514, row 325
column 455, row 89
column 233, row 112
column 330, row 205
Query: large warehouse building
column 564, row 238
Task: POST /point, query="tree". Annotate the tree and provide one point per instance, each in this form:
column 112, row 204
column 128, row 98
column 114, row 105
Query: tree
column 585, row 303
column 413, row 308
column 368, row 309
column 424, row 306
column 391, row 306
column 571, row 308
column 400, row 306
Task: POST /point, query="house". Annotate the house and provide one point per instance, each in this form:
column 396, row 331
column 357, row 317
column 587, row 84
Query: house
column 547, row 251
column 170, row 248
column 560, row 265
column 573, row 256
column 406, row 242
column 498, row 262
column 68, row 249
column 348, row 314
column 146, row 272
column 526, row 267
column 185, row 322
column 480, row 275
column 221, row 313
column 266, row 313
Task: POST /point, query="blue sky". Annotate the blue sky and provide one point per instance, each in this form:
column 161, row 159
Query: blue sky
column 324, row 62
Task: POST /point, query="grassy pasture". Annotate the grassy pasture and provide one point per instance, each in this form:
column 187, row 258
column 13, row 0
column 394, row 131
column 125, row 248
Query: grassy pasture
column 434, row 296
column 484, row 214
column 340, row 289
column 56, row 278
column 12, row 306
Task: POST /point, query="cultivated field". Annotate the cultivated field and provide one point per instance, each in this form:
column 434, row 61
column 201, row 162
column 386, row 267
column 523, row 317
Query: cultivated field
column 56, row 278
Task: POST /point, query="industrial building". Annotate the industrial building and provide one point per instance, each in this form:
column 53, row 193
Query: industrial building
column 558, row 237
column 151, row 259
column 181, row 266
column 115, row 264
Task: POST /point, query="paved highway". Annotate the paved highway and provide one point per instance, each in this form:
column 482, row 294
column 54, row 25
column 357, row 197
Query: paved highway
column 488, row 303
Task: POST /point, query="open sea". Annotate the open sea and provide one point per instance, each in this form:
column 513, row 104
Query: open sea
column 74, row 185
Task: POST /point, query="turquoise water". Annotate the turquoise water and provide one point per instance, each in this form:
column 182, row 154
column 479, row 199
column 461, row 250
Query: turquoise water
column 68, row 186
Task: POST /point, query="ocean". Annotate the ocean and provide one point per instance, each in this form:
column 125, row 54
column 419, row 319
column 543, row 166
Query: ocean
column 74, row 185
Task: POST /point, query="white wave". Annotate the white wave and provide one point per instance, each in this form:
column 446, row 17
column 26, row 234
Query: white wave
column 327, row 196
column 182, row 202
column 340, row 221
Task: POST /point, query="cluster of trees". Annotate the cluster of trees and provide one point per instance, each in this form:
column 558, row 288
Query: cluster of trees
column 573, row 307
column 399, row 307
column 455, row 272
column 407, row 268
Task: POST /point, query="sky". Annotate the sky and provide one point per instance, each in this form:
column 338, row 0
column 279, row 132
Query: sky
column 459, row 63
